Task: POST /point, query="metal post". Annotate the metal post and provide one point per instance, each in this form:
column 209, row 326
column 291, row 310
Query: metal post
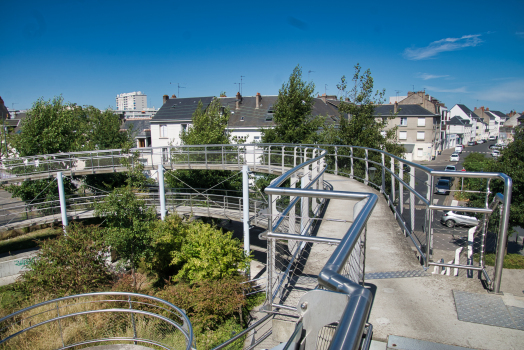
column 283, row 157
column 336, row 160
column 392, row 160
column 429, row 229
column 61, row 194
column 503, row 235
column 366, row 177
column 412, row 198
column 161, row 192
column 270, row 255
column 383, row 188
column 304, row 204
column 269, row 160
column 245, row 207
column 351, row 158
column 294, row 157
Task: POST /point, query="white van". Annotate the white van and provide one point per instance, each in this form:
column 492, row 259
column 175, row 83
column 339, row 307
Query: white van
column 458, row 148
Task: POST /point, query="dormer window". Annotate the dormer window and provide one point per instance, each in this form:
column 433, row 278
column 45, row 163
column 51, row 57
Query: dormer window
column 241, row 119
column 271, row 109
column 269, row 117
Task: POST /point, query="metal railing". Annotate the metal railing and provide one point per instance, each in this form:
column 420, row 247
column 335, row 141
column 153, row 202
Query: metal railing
column 183, row 201
column 408, row 188
column 98, row 319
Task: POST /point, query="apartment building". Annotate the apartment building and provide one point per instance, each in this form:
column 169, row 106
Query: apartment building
column 131, row 101
column 418, row 129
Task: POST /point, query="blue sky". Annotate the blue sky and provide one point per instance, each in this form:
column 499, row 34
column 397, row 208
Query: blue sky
column 469, row 52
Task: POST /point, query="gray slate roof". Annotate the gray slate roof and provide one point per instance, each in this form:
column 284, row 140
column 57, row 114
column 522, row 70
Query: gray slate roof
column 141, row 127
column 180, row 109
column 468, row 111
column 247, row 115
column 408, row 110
column 458, row 121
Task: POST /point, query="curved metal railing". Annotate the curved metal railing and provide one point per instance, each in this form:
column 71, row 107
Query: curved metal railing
column 98, row 319
column 183, row 201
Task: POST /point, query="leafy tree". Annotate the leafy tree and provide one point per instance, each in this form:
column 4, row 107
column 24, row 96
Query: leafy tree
column 292, row 117
column 209, row 127
column 362, row 127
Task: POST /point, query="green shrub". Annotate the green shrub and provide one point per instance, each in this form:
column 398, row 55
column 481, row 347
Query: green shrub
column 69, row 264
column 206, row 253
column 208, row 304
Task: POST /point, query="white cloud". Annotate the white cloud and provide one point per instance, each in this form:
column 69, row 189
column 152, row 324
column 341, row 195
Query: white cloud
column 427, row 76
column 506, row 92
column 443, row 45
column 462, row 89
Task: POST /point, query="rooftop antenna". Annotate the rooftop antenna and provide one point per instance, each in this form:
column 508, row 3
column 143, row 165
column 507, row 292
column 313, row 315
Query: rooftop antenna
column 398, row 92
column 325, row 89
column 240, row 84
column 310, row 71
column 413, row 88
column 13, row 105
column 179, row 87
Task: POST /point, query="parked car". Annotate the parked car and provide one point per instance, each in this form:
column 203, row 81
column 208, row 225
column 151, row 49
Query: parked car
column 450, row 168
column 443, row 186
column 452, row 218
column 482, row 141
column 459, row 148
column 454, row 157
column 496, row 146
column 472, row 143
column 495, row 153
column 492, row 138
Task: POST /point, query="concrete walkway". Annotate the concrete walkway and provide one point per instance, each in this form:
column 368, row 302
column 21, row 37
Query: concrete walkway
column 424, row 307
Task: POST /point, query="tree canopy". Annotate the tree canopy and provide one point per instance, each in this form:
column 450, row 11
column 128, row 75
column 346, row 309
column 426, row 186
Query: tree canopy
column 359, row 125
column 53, row 126
column 293, row 120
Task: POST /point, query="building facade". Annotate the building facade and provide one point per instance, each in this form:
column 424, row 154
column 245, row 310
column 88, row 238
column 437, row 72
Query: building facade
column 131, row 101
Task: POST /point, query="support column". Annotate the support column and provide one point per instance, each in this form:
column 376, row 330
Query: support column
column 61, row 195
column 245, row 209
column 161, row 192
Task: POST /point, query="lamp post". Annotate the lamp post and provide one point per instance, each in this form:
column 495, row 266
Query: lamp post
column 371, row 172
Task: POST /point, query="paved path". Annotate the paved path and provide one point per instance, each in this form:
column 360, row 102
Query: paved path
column 414, row 307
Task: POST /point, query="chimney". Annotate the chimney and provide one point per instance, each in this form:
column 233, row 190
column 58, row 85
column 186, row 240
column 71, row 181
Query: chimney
column 258, row 98
column 165, row 98
column 323, row 98
column 482, row 108
column 395, row 108
column 173, row 96
column 239, row 98
column 487, row 108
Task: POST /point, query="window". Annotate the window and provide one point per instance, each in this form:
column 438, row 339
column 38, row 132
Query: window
column 184, row 127
column 421, row 121
column 163, row 130
column 420, row 135
column 404, row 121
column 403, row 135
column 420, row 152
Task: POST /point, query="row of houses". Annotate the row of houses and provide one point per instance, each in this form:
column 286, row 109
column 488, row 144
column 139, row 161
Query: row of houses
column 424, row 125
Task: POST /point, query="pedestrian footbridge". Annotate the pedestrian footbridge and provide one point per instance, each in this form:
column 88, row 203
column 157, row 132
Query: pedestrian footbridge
column 350, row 243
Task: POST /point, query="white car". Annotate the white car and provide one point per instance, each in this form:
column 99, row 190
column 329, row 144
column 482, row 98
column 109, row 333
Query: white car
column 454, row 157
column 495, row 153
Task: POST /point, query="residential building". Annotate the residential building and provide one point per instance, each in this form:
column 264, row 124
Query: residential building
column 431, row 104
column 131, row 101
column 492, row 120
column 418, row 129
column 500, row 119
column 508, row 129
column 249, row 114
column 478, row 126
column 462, row 128
column 140, row 129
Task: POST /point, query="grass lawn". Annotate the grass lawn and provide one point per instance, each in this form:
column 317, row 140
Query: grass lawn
column 511, row 261
column 29, row 240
